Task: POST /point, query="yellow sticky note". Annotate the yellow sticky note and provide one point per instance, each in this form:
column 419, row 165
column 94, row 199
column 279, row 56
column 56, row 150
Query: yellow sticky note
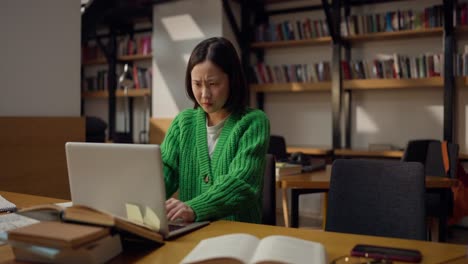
column 151, row 219
column 134, row 213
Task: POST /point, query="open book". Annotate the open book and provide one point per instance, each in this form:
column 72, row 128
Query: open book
column 87, row 215
column 245, row 248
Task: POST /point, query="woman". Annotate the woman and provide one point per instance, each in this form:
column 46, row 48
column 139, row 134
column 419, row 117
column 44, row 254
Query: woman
column 215, row 153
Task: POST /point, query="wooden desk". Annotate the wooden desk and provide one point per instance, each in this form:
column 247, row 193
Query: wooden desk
column 395, row 154
column 319, row 181
column 174, row 251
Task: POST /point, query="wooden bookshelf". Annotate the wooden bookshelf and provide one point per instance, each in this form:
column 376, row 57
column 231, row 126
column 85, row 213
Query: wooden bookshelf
column 291, row 87
column 402, row 34
column 125, row 58
column 369, row 153
column 95, row 62
column 461, row 31
column 135, row 57
column 291, row 43
column 366, row 84
column 119, row 93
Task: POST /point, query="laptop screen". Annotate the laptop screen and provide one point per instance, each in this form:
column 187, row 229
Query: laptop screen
column 122, row 179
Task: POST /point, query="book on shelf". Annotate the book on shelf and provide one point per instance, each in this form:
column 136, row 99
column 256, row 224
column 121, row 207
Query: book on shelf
column 129, row 230
column 57, row 242
column 245, row 248
column 283, row 169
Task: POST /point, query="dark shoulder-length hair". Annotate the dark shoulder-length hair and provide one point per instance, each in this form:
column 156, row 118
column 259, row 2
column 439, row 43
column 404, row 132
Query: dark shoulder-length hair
column 222, row 53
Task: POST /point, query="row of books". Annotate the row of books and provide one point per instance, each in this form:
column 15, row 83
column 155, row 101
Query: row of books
column 316, row 72
column 461, row 64
column 461, row 15
column 96, row 83
column 133, row 46
column 394, row 66
column 91, row 52
column 142, row 78
column 392, row 21
column 126, row 46
column 292, row 30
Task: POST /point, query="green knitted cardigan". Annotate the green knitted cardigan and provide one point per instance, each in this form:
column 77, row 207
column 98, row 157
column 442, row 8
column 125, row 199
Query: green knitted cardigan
column 227, row 186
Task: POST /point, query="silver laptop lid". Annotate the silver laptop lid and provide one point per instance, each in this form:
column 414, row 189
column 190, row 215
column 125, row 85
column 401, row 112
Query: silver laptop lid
column 110, row 176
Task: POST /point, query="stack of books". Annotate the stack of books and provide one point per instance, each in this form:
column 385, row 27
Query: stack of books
column 57, row 242
column 283, row 169
column 76, row 234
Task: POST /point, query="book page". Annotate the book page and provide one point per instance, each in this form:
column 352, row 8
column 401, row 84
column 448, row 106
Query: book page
column 12, row 221
column 6, row 206
column 284, row 249
column 233, row 246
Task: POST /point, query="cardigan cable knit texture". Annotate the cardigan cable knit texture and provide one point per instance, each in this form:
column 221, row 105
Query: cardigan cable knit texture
column 227, row 186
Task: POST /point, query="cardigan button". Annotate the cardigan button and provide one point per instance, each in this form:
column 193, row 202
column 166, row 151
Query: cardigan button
column 206, row 179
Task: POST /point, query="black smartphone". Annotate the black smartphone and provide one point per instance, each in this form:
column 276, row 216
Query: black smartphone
column 389, row 253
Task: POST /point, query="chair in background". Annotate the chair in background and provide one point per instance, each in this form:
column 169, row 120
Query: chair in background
column 269, row 192
column 277, row 147
column 95, row 129
column 377, row 197
column 429, row 152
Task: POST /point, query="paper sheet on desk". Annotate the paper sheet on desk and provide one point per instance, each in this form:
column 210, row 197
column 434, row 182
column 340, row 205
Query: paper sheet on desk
column 12, row 221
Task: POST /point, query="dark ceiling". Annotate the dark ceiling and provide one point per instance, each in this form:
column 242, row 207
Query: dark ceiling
column 120, row 14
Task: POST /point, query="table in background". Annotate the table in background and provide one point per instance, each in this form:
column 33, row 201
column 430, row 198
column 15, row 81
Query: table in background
column 319, row 182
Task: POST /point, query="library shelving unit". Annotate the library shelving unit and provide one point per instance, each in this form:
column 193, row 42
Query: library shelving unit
column 106, row 23
column 342, row 89
column 129, row 94
column 139, row 92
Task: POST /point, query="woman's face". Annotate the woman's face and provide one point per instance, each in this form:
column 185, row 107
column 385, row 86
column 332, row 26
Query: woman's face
column 210, row 86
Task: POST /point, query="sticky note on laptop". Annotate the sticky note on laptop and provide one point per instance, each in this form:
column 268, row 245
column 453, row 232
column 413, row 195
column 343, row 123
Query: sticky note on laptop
column 149, row 219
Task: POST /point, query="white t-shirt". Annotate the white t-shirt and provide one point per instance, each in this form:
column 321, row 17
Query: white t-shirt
column 213, row 133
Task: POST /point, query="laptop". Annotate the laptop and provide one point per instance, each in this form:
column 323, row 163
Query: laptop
column 110, row 177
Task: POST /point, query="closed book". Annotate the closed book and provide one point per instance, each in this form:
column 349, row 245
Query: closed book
column 57, row 234
column 283, row 169
column 99, row 251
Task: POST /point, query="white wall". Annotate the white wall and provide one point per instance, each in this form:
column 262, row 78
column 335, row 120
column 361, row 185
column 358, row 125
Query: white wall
column 171, row 55
column 40, row 51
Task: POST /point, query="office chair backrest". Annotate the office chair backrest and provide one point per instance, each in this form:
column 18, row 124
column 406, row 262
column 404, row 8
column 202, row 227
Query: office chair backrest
column 377, row 197
column 277, row 147
column 269, row 192
column 429, row 153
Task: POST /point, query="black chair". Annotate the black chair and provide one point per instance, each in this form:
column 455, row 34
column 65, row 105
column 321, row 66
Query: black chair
column 277, row 147
column 95, row 129
column 377, row 197
column 269, row 192
column 428, row 152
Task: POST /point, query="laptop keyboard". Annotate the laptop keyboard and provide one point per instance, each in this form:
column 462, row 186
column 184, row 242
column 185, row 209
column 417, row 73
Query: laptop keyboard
column 176, row 225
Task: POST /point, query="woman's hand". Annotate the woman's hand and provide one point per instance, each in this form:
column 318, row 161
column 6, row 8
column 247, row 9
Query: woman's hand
column 176, row 209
